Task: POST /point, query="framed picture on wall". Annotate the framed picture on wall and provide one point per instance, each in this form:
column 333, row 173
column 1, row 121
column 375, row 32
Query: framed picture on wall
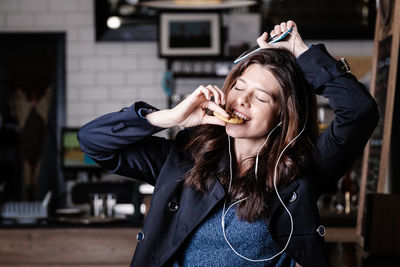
column 189, row 34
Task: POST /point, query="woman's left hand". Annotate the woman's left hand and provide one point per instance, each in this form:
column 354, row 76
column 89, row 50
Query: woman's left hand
column 293, row 42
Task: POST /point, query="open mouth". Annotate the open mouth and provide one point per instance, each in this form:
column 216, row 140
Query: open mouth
column 240, row 115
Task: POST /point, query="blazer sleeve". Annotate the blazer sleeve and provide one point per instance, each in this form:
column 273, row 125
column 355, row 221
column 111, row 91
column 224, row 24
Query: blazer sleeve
column 356, row 115
column 122, row 143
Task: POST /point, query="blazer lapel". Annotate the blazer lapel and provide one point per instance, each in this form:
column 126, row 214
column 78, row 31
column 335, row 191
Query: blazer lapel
column 195, row 207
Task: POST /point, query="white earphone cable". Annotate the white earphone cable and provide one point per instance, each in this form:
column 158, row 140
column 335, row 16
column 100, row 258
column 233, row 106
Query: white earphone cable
column 276, row 190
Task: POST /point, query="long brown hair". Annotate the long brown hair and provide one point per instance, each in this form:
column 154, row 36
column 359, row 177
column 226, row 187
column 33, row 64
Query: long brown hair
column 208, row 144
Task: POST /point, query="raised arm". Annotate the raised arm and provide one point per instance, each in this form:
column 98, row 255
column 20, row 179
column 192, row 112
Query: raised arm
column 356, row 113
column 122, row 143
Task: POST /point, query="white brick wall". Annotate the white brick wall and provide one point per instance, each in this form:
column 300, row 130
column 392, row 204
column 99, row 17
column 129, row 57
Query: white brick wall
column 2, row 20
column 62, row 5
column 16, row 19
column 94, row 63
column 101, row 77
column 34, row 5
column 9, row 5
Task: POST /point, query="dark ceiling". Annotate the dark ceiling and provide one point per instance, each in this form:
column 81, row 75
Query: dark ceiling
column 318, row 19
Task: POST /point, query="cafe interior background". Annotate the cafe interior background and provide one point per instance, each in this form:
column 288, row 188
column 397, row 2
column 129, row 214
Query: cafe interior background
column 66, row 62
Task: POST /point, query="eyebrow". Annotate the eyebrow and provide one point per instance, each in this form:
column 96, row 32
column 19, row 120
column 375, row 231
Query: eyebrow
column 260, row 89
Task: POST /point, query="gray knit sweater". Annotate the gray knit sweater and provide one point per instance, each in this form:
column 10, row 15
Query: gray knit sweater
column 207, row 246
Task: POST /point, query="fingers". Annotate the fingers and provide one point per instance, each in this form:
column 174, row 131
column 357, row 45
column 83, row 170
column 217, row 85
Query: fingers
column 262, row 41
column 192, row 110
column 209, row 118
column 219, row 96
column 213, row 120
column 282, row 27
column 215, row 98
column 278, row 30
column 214, row 107
column 291, row 24
column 212, row 93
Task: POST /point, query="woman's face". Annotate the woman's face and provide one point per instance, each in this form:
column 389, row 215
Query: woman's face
column 254, row 97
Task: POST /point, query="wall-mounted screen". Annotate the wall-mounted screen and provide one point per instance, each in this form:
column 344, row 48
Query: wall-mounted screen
column 72, row 155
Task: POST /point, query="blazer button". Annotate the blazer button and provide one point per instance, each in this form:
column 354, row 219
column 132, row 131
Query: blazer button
column 140, row 237
column 173, row 206
column 321, row 230
column 293, row 197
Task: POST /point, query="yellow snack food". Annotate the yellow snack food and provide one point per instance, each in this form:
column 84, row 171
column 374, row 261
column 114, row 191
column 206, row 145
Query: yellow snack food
column 233, row 118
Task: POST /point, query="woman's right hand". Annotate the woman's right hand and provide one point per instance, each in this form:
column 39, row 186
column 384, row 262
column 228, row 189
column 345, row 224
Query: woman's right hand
column 192, row 110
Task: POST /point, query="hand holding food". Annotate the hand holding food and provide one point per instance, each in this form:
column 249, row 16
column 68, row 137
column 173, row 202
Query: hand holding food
column 192, row 110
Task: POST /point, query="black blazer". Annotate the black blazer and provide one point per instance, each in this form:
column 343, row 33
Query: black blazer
column 122, row 142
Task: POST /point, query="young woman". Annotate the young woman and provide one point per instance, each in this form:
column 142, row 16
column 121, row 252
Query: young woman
column 241, row 194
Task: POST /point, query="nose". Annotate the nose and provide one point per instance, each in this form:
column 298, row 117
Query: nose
column 244, row 100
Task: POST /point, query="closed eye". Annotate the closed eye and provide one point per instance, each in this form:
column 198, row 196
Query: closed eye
column 263, row 97
column 262, row 100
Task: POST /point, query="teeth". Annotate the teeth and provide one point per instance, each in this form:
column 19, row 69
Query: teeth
column 240, row 115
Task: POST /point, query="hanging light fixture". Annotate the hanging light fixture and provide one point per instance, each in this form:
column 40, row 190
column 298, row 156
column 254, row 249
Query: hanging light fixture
column 114, row 22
